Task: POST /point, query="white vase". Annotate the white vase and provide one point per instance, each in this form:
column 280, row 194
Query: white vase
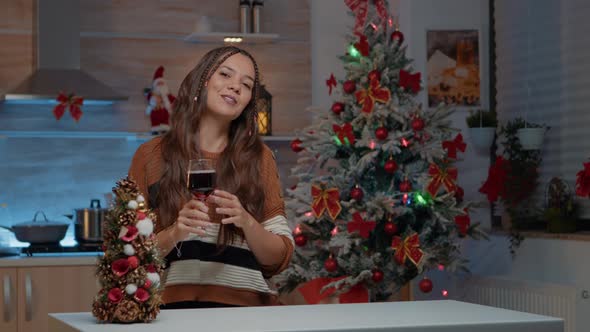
column 531, row 138
column 482, row 137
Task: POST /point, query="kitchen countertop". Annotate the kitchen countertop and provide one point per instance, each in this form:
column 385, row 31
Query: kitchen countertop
column 51, row 259
column 426, row 316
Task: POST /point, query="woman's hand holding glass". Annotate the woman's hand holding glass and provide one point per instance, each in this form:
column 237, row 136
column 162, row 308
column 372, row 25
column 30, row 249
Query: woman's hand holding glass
column 230, row 206
column 192, row 218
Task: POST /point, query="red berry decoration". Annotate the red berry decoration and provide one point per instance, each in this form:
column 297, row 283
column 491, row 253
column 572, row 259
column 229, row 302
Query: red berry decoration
column 390, row 228
column 349, row 87
column 390, row 166
column 374, row 75
column 296, row 145
column 397, row 36
column 357, row 194
column 377, row 276
column 381, row 133
column 300, row 240
column 425, row 285
column 405, row 186
column 337, row 108
column 417, row 124
column 331, row 264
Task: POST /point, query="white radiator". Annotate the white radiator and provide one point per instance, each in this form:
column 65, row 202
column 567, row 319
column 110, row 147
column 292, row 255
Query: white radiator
column 532, row 297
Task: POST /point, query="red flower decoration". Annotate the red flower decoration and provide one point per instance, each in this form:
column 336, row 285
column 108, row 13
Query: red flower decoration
column 120, row 267
column 362, row 46
column 151, row 268
column 463, row 221
column 141, row 295
column 583, row 181
column 454, row 145
column 115, row 295
column 71, row 102
column 409, row 81
column 128, row 233
column 494, row 185
column 368, row 97
column 133, row 262
column 358, row 224
column 331, row 83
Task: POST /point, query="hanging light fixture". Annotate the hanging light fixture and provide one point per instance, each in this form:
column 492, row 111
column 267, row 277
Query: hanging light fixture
column 264, row 112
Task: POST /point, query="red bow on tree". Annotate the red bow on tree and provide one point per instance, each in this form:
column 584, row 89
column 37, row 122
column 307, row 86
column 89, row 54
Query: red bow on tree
column 312, row 291
column 70, row 101
column 344, row 133
column 409, row 81
column 325, row 199
column 494, row 185
column 360, row 7
column 441, row 176
column 463, row 221
column 331, row 83
column 358, row 224
column 368, row 97
column 362, row 46
column 583, row 181
column 454, row 145
column 408, row 248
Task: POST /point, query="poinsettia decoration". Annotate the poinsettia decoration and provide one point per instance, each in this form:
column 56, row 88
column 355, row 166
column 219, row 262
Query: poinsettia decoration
column 583, row 181
column 361, row 226
column 71, row 102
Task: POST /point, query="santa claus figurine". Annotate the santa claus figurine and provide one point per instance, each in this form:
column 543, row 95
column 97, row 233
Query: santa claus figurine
column 160, row 103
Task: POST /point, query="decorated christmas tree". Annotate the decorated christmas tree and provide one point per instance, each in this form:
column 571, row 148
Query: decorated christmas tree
column 129, row 272
column 376, row 202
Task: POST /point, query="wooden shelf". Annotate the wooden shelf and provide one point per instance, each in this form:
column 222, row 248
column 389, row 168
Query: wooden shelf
column 219, row 37
column 130, row 136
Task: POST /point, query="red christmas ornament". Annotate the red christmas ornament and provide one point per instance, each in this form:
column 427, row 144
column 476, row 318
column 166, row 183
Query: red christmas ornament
column 331, row 264
column 397, row 36
column 425, row 285
column 357, row 194
column 300, row 240
column 377, row 276
column 349, row 87
column 337, row 108
column 390, row 166
column 374, row 75
column 405, row 186
column 390, row 228
column 296, row 145
column 417, row 124
column 381, row 133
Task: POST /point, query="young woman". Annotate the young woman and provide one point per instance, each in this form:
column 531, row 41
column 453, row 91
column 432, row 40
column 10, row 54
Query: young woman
column 220, row 251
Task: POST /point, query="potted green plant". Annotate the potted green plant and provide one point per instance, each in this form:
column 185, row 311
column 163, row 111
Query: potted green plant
column 482, row 128
column 560, row 207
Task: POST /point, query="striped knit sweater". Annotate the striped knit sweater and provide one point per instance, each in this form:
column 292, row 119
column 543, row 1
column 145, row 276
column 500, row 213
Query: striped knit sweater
column 201, row 273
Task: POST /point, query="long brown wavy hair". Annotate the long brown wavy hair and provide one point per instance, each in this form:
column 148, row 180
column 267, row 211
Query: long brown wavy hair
column 238, row 165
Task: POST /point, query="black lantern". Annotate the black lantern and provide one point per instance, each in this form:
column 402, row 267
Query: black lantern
column 264, row 106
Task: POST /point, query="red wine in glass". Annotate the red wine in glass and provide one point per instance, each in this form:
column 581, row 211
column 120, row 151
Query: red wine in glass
column 201, row 178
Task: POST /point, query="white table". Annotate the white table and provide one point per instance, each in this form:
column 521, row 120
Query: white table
column 425, row 316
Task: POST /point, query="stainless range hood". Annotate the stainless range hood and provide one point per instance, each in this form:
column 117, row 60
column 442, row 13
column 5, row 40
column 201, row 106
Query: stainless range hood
column 57, row 59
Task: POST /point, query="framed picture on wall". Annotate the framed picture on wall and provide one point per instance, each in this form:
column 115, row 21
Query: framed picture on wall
column 453, row 64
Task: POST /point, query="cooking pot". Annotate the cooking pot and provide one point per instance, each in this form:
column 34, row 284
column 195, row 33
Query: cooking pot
column 88, row 223
column 39, row 232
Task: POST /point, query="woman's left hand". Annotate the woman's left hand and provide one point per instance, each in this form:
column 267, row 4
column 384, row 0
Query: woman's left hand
column 230, row 206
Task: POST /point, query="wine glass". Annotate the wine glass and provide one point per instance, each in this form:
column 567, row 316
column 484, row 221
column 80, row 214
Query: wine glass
column 201, row 178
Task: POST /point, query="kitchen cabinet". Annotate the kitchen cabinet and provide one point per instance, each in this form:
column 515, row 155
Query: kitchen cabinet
column 30, row 293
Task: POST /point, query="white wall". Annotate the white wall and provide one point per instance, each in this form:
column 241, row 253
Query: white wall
column 544, row 260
